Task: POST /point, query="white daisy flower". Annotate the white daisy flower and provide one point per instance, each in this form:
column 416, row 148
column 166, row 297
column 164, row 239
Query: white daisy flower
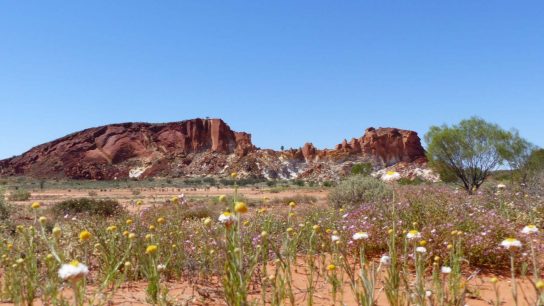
column 530, row 229
column 360, row 235
column 511, row 242
column 445, row 270
column 413, row 234
column 421, row 250
column 335, row 238
column 390, row 176
column 385, row 260
column 227, row 218
column 501, row 186
column 73, row 270
column 161, row 267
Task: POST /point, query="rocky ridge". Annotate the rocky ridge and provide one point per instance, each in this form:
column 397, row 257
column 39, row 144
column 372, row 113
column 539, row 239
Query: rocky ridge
column 203, row 147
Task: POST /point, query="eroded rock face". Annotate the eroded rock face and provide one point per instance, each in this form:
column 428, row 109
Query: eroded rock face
column 202, row 147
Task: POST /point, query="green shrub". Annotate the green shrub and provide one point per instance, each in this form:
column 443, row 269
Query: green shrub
column 104, row 208
column 359, row 189
column 19, row 195
column 4, row 208
column 362, row 169
column 409, row 181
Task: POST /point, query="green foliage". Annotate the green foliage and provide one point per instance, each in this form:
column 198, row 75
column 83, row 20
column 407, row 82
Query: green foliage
column 469, row 150
column 19, row 195
column 408, row 181
column 361, row 169
column 358, row 189
column 517, row 154
column 4, row 208
column 298, row 183
column 104, row 208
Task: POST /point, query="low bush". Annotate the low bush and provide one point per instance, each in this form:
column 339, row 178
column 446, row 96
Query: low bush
column 4, row 208
column 19, row 195
column 359, row 189
column 104, row 208
column 361, row 169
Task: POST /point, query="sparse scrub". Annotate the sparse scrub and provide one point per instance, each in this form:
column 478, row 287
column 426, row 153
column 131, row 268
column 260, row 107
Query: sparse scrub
column 104, row 207
column 358, row 189
column 19, row 195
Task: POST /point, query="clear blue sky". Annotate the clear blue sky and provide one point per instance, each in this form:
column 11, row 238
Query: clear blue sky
column 286, row 71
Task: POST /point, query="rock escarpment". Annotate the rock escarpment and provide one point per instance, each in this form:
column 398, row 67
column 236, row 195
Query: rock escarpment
column 201, row 147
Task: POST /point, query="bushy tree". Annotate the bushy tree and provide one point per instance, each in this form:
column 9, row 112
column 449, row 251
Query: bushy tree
column 358, row 189
column 470, row 150
column 517, row 153
column 362, row 169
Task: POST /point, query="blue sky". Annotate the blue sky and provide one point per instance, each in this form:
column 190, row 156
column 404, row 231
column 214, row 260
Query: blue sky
column 286, row 71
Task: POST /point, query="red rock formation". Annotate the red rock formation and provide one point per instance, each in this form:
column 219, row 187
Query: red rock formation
column 201, row 147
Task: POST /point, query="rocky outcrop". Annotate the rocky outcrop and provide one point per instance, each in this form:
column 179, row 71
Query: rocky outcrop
column 201, row 147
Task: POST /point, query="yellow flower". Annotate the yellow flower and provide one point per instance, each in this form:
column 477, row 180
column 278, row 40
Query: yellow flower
column 161, row 220
column 139, row 202
column 423, row 243
column 151, row 249
column 125, row 233
column 246, row 223
column 494, row 280
column 10, row 246
column 450, row 246
column 291, row 214
column 131, row 236
column 222, row 198
column 316, row 227
column 128, row 265
column 148, row 237
column 240, row 207
column 57, row 231
column 35, row 205
column 290, row 230
column 540, row 284
column 152, row 227
column 292, row 204
column 174, row 200
column 42, row 219
column 129, row 221
column 84, row 235
column 331, row 267
column 264, row 234
column 234, row 175
column 208, row 221
column 111, row 228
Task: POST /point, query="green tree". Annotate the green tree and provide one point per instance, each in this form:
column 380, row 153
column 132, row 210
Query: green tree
column 470, row 150
column 517, row 154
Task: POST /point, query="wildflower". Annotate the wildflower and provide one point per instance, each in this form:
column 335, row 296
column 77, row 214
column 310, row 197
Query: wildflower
column 331, row 267
column 148, row 237
column 240, row 207
column 530, row 229
column 128, row 264
column 246, row 223
column 84, row 235
column 437, row 258
column 450, row 246
column 539, row 284
column 423, row 243
column 428, row 293
column 290, row 230
column 73, row 271
column 413, row 234
column 335, row 238
column 234, row 175
column 151, row 249
column 161, row 220
column 131, row 236
column 445, row 270
column 226, row 218
column 161, row 267
column 152, row 227
column 511, row 242
column 421, row 250
column 174, row 200
column 316, row 227
column 501, row 186
column 139, row 203
column 222, row 198
column 125, row 233
column 111, row 228
column 35, row 205
column 208, row 221
column 264, row 234
column 292, row 204
column 390, row 176
column 494, row 280
column 360, row 235
column 385, row 260
column 129, row 221
column 42, row 220
column 57, row 232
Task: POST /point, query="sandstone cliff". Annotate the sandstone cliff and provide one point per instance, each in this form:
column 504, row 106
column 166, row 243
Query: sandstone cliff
column 201, row 147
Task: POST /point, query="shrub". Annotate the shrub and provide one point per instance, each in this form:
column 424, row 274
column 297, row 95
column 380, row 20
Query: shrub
column 359, row 189
column 19, row 195
column 408, row 181
column 105, row 208
column 362, row 168
column 4, row 208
